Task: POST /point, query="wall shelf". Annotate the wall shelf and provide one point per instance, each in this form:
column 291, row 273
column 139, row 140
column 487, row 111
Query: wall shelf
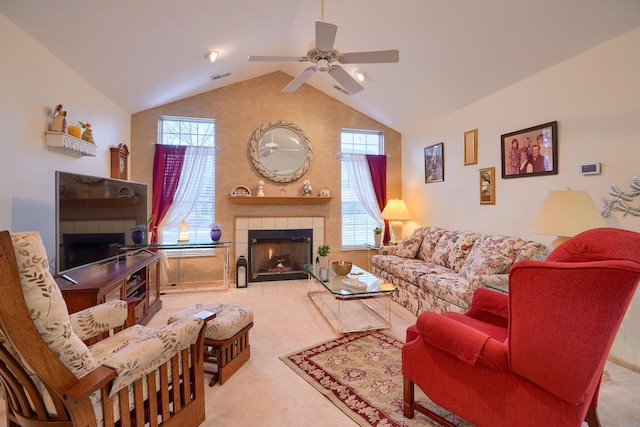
column 68, row 142
column 250, row 200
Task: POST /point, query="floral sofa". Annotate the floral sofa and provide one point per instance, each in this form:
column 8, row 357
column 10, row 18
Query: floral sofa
column 439, row 270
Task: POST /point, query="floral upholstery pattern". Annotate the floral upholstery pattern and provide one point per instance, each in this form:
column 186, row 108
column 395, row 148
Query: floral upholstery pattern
column 430, row 281
column 453, row 247
column 408, row 247
column 93, row 321
column 48, row 309
column 431, row 235
column 229, row 320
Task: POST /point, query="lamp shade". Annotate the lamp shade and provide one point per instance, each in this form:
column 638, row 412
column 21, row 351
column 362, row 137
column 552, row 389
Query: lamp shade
column 396, row 209
column 565, row 214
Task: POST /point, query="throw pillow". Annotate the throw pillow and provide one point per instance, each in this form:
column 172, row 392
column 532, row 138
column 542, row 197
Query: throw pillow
column 430, row 238
column 452, row 249
column 46, row 304
column 408, row 247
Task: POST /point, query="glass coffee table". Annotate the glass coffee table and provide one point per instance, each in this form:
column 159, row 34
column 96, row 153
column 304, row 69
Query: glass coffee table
column 348, row 307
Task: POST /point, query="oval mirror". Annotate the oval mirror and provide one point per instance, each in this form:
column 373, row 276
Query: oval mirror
column 280, row 151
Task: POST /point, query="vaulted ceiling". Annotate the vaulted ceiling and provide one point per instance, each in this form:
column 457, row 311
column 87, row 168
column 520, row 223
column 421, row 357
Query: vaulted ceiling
column 144, row 53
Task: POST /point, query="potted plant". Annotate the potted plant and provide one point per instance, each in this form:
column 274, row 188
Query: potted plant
column 377, row 236
column 323, row 254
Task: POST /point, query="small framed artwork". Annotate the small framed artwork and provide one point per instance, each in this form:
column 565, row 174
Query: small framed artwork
column 471, row 147
column 488, row 186
column 434, row 163
column 530, row 152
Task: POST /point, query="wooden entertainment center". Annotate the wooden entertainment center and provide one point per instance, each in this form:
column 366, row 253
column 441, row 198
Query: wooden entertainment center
column 134, row 275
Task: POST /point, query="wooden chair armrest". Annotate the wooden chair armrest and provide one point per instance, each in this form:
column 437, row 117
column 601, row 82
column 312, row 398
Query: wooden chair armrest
column 91, row 382
column 132, row 303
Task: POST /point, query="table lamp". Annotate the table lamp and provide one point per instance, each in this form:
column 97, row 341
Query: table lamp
column 565, row 214
column 395, row 212
column 183, row 236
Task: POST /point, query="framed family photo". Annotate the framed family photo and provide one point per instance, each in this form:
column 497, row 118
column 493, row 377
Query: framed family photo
column 434, row 163
column 488, row 186
column 530, row 152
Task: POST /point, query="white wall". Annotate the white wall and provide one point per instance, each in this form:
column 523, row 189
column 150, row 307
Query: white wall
column 33, row 81
column 595, row 97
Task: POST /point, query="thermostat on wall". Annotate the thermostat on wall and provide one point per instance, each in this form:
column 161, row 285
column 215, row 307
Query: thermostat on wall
column 590, row 169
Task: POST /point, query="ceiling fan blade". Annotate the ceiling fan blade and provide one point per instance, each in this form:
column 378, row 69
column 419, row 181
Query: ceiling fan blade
column 348, row 83
column 298, row 81
column 325, row 36
column 259, row 58
column 374, row 57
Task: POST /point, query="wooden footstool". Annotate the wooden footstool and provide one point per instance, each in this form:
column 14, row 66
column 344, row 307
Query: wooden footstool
column 226, row 337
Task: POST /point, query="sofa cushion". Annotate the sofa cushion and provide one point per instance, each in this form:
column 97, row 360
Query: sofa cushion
column 46, row 304
column 408, row 247
column 430, row 238
column 491, row 254
column 452, row 249
column 410, row 269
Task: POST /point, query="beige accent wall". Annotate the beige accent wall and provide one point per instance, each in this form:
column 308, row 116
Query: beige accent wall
column 238, row 110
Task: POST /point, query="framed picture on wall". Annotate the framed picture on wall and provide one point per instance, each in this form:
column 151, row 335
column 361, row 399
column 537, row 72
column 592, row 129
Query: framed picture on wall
column 471, row 147
column 530, row 152
column 488, row 186
column 434, row 163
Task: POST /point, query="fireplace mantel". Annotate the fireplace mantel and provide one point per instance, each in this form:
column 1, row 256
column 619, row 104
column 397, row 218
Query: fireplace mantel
column 252, row 200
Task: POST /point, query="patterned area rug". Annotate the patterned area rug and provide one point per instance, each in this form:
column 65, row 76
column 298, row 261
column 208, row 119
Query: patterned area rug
column 361, row 374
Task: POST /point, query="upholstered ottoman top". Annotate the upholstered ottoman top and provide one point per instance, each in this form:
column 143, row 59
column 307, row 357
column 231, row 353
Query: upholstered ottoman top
column 229, row 320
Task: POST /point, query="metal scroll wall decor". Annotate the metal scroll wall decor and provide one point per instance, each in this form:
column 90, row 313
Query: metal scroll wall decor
column 620, row 199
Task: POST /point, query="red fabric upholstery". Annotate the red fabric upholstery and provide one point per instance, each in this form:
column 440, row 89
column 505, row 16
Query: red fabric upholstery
column 533, row 357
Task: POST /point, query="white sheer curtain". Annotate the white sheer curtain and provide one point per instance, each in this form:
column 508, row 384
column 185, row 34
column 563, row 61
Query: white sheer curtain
column 360, row 178
column 189, row 185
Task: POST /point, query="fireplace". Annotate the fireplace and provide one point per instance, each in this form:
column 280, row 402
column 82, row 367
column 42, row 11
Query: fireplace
column 279, row 254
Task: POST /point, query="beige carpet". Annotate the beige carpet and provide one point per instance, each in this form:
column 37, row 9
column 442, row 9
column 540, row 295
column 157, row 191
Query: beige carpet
column 265, row 392
column 361, row 374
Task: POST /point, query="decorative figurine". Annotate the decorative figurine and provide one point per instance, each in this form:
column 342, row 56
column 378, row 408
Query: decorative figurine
column 306, row 188
column 325, row 192
column 59, row 123
column 87, row 135
column 260, row 188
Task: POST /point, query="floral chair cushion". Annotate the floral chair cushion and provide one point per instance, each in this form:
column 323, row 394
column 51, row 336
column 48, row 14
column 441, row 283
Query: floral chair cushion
column 46, row 305
column 453, row 248
column 229, row 320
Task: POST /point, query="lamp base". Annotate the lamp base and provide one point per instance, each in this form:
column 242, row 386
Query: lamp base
column 558, row 241
column 396, row 231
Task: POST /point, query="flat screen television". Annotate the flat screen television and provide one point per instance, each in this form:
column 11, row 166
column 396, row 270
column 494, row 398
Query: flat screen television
column 95, row 217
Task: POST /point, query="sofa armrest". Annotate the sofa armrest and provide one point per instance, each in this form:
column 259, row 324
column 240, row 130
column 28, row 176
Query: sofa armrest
column 386, row 250
column 495, row 281
column 144, row 356
column 462, row 341
column 93, row 321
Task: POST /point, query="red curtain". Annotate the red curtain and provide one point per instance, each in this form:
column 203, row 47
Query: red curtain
column 378, row 169
column 167, row 166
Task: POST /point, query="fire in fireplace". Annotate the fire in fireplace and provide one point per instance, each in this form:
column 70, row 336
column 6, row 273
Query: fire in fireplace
column 279, row 254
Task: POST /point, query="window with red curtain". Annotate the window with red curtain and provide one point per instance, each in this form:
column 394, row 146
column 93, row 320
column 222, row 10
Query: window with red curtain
column 357, row 224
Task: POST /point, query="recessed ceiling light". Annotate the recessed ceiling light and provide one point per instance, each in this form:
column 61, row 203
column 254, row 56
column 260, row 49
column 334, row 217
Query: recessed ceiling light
column 212, row 55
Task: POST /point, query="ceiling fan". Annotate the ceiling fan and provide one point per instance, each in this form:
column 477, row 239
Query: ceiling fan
column 323, row 54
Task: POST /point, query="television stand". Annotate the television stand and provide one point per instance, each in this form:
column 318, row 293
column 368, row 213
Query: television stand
column 128, row 277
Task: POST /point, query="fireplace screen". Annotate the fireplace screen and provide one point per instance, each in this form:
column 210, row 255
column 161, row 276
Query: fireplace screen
column 279, row 254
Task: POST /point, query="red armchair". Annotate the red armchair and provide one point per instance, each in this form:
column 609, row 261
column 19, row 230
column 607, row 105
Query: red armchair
column 534, row 357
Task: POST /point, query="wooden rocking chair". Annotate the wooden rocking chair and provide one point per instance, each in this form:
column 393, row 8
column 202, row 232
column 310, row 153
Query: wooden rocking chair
column 132, row 376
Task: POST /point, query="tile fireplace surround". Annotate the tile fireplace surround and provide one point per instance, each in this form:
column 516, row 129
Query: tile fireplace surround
column 244, row 224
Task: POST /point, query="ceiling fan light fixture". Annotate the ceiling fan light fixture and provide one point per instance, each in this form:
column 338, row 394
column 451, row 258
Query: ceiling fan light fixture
column 212, row 55
column 360, row 75
column 323, row 64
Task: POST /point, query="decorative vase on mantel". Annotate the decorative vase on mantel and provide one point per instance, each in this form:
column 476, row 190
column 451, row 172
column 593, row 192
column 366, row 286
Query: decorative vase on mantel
column 215, row 232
